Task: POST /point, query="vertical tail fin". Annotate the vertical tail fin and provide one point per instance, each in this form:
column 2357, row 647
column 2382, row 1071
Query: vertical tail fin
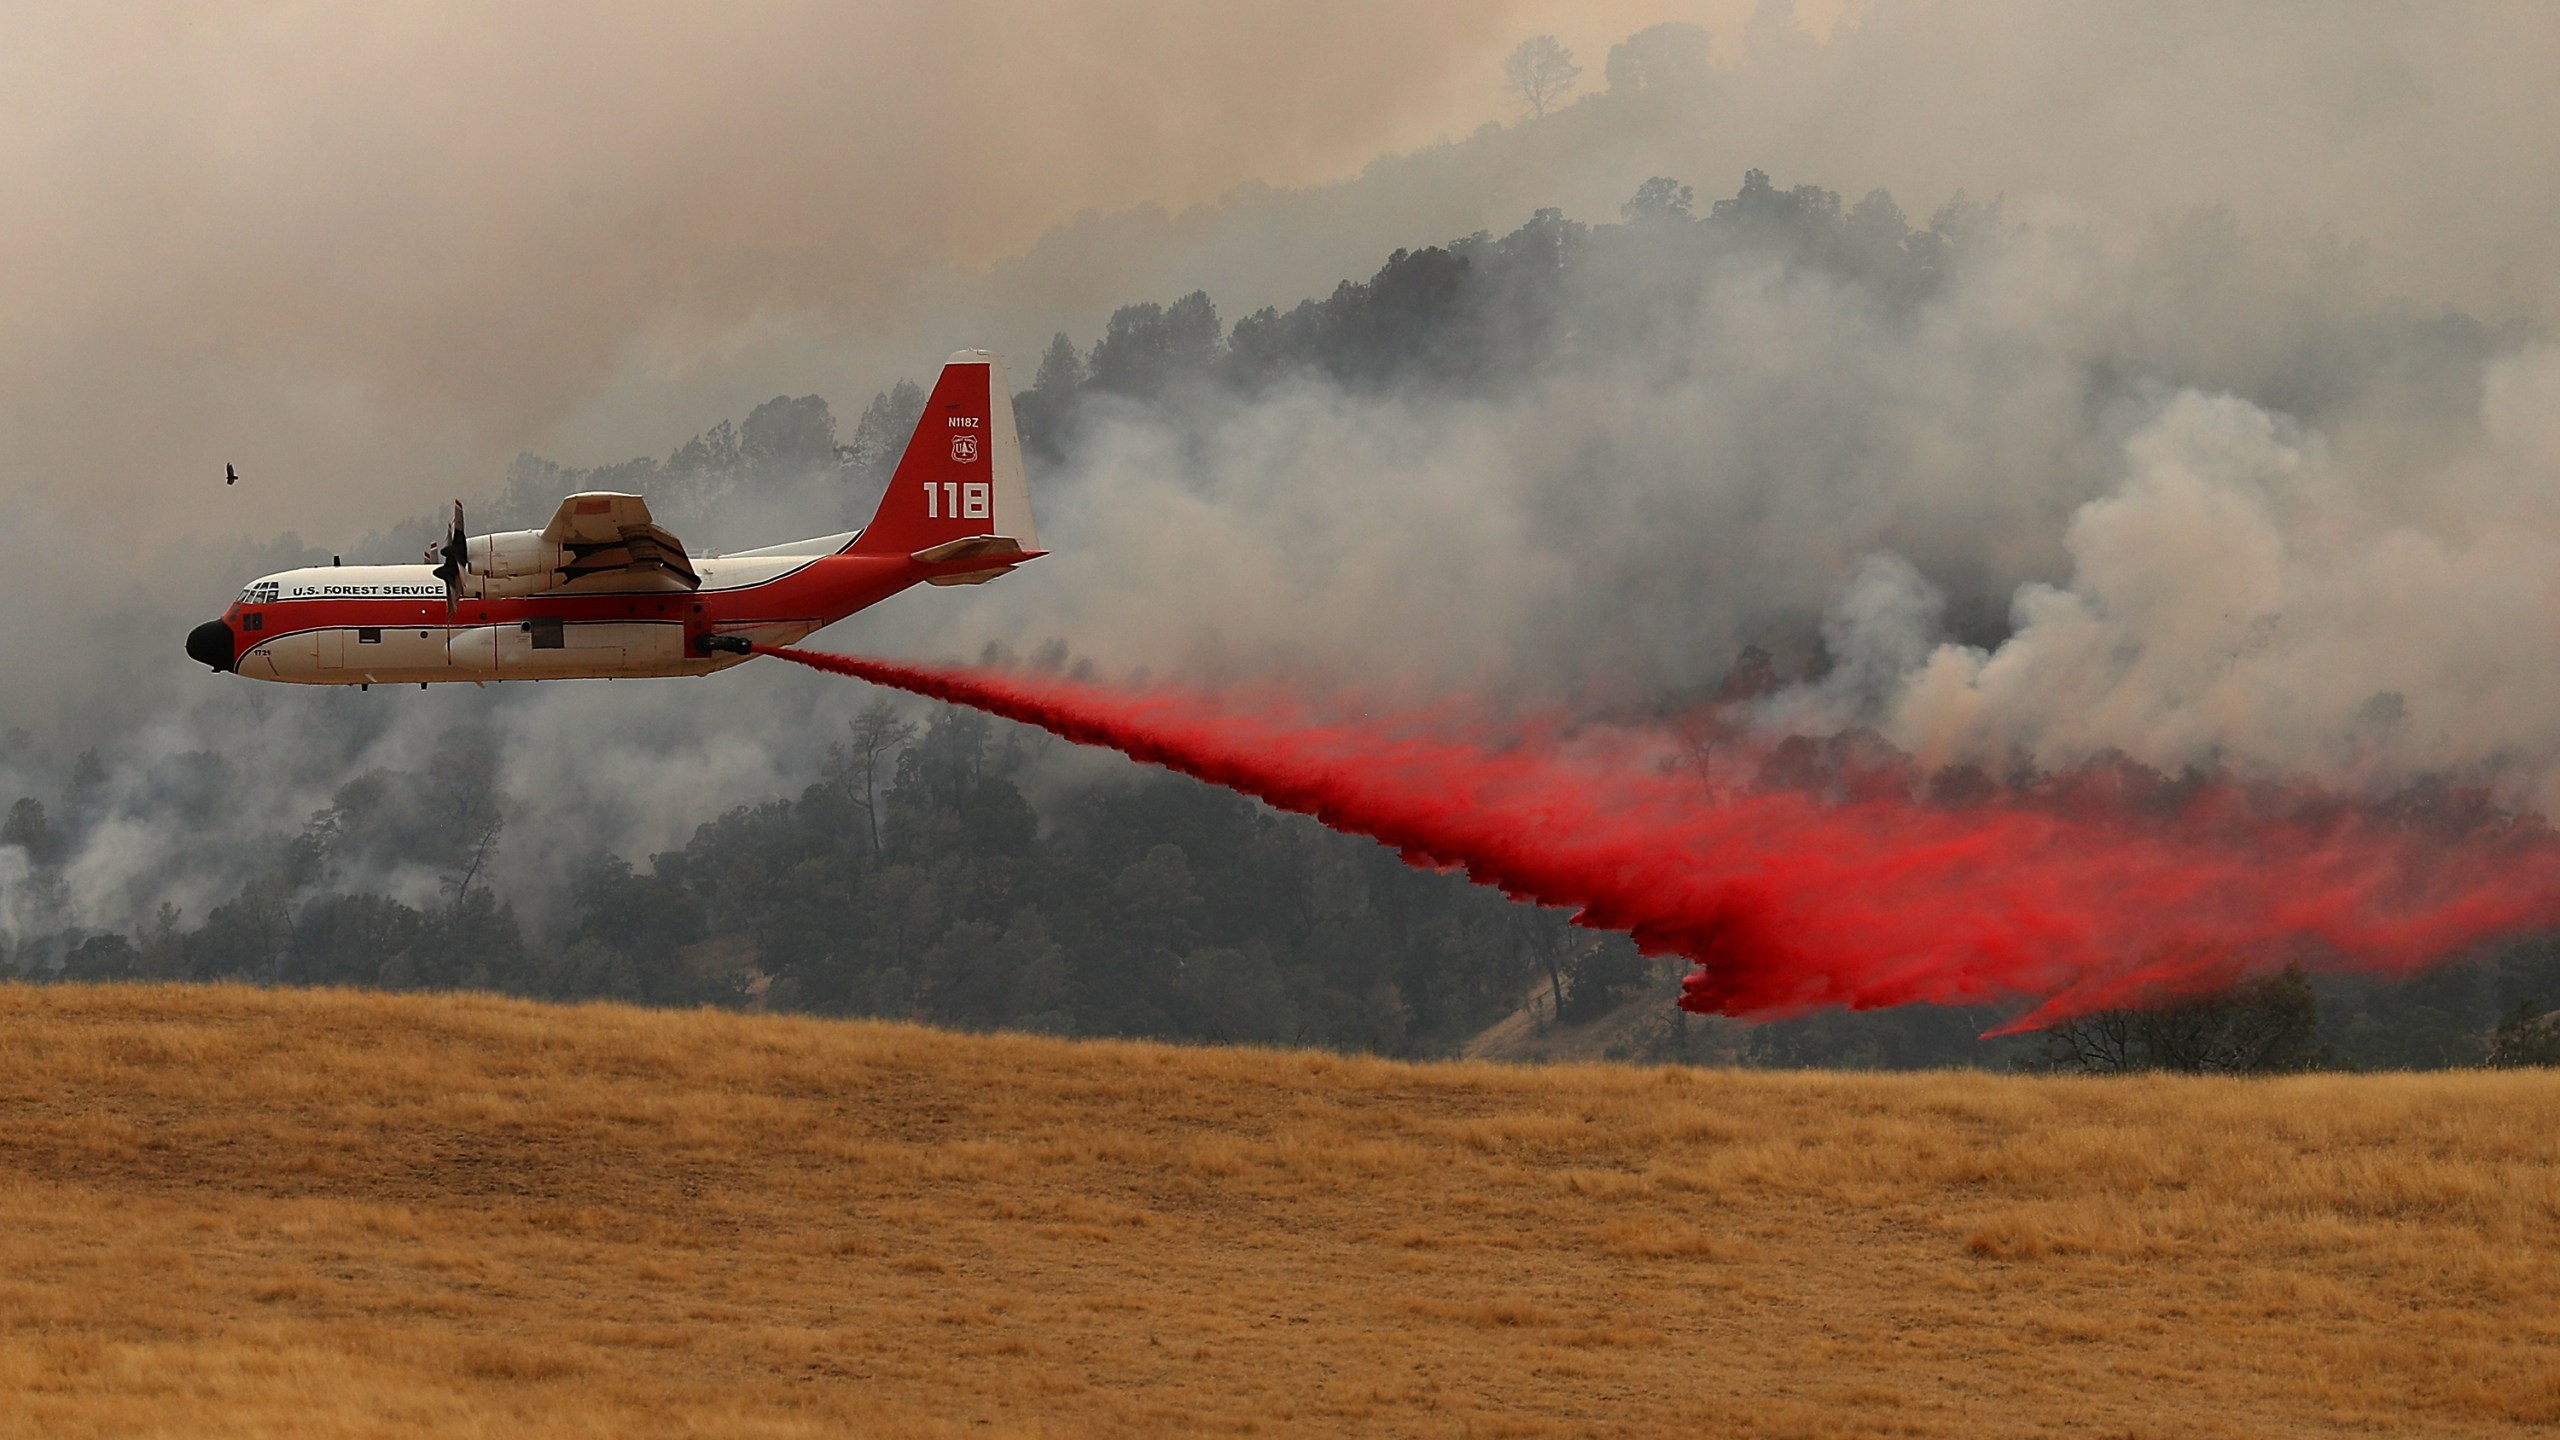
column 961, row 476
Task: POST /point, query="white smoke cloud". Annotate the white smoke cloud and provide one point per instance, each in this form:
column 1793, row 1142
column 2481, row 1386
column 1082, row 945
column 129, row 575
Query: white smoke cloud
column 2244, row 598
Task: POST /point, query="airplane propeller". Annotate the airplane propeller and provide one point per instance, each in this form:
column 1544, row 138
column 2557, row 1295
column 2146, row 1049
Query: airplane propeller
column 455, row 555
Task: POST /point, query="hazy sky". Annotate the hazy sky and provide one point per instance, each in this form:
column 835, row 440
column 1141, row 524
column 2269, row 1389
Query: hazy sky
column 369, row 251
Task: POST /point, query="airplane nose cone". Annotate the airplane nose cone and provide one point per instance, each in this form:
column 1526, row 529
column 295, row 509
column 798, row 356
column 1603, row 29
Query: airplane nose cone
column 210, row 642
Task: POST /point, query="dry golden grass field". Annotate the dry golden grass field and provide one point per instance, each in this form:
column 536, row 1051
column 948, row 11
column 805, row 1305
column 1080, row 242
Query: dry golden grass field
column 242, row 1212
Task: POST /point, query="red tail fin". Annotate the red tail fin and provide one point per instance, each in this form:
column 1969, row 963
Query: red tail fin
column 961, row 477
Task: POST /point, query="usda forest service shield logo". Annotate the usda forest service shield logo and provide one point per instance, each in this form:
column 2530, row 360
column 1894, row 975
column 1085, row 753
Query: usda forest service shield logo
column 964, row 448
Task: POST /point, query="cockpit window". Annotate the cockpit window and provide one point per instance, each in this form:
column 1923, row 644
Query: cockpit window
column 260, row 592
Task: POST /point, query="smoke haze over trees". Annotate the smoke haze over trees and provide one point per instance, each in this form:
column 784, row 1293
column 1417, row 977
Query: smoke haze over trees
column 2050, row 455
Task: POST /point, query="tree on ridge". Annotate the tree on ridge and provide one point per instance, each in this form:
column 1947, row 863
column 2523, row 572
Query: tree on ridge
column 1539, row 71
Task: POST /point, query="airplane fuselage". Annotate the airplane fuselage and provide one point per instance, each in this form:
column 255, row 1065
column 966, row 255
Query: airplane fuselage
column 604, row 591
column 390, row 624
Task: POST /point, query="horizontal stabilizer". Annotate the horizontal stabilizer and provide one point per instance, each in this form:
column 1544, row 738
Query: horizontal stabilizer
column 969, row 577
column 974, row 547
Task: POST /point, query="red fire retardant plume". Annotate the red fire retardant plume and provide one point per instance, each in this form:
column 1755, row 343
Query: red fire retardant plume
column 1790, row 902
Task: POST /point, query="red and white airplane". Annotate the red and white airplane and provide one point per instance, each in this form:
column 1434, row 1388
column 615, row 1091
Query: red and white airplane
column 603, row 591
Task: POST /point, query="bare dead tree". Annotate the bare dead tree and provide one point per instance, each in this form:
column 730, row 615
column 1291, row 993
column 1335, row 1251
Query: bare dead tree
column 1699, row 732
column 855, row 766
column 2098, row 1044
column 2266, row 1025
column 481, row 849
column 1546, row 935
column 1539, row 71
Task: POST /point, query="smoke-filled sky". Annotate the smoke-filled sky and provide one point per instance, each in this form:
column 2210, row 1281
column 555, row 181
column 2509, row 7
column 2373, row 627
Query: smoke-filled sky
column 369, row 253
column 363, row 249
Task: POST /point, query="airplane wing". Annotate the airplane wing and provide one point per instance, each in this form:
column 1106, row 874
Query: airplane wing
column 601, row 533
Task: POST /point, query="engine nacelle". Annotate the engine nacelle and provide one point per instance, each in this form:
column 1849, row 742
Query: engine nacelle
column 513, row 563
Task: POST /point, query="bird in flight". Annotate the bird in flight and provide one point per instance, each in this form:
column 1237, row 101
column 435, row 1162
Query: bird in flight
column 230, row 476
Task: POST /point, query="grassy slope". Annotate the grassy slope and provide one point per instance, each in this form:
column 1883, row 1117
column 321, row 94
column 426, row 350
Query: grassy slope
column 233, row 1212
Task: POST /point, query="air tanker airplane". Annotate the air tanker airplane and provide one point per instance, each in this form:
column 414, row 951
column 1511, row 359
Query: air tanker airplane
column 603, row 591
